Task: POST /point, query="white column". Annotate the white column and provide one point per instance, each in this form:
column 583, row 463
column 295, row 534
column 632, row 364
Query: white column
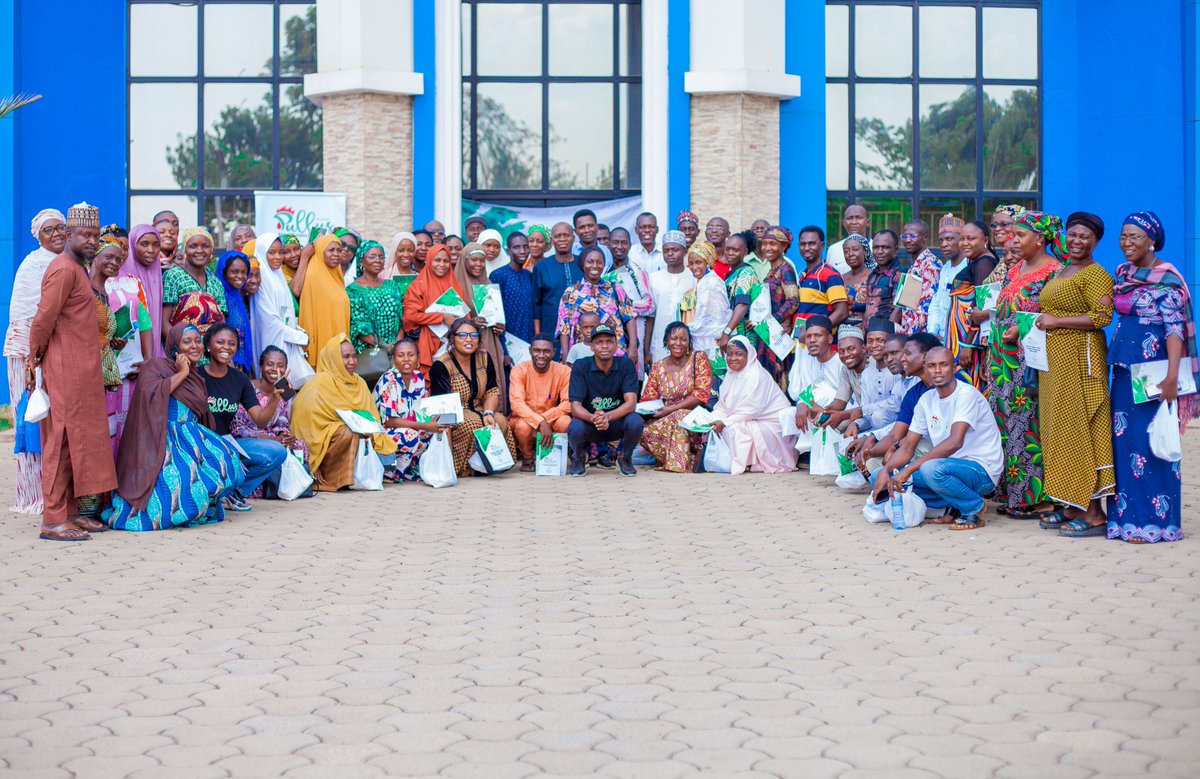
column 448, row 143
column 655, row 95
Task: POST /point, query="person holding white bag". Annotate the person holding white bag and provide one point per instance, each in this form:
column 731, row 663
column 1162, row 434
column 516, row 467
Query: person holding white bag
column 966, row 459
column 748, row 412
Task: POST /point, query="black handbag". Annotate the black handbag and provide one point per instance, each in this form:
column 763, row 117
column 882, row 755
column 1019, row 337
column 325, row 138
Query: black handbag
column 1030, row 380
column 373, row 362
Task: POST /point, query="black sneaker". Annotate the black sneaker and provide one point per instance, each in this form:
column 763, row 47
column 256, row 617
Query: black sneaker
column 577, row 468
column 605, row 460
column 627, row 468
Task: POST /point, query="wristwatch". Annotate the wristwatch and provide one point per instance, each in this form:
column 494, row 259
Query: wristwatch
column 728, row 331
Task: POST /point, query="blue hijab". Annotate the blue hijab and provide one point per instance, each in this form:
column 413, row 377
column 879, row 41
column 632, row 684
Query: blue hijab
column 239, row 314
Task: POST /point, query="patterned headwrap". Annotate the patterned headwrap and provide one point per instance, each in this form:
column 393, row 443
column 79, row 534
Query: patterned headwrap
column 1049, row 225
column 1013, row 210
column 675, row 237
column 704, row 250
column 781, row 234
column 687, row 216
column 1149, row 223
column 363, row 248
column 545, row 231
column 192, row 232
column 866, row 246
column 110, row 231
column 43, row 216
column 287, row 239
column 107, row 241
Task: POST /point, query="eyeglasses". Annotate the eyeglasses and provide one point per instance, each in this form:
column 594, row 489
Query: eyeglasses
column 471, row 336
column 54, row 229
column 909, row 236
column 436, row 232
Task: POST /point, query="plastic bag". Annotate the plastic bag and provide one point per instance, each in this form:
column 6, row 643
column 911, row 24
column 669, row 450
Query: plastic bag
column 717, row 457
column 1165, row 441
column 881, row 513
column 824, row 458
column 877, row 513
column 294, row 478
column 38, row 405
column 491, row 451
column 436, row 465
column 852, row 482
column 368, row 470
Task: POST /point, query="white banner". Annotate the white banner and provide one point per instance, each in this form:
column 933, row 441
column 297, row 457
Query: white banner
column 511, row 219
column 298, row 213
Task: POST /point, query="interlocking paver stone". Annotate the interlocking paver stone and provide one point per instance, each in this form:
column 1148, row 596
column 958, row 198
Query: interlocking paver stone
column 488, row 631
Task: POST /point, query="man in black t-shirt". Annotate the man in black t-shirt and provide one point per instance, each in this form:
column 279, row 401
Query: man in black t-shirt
column 604, row 392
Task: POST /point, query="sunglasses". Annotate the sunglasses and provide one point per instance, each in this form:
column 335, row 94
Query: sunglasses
column 909, row 236
column 999, row 225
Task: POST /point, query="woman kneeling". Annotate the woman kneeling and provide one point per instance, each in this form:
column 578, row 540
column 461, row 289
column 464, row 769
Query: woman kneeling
column 748, row 414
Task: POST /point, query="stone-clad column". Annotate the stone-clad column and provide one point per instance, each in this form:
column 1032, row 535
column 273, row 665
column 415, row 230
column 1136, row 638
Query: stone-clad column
column 365, row 83
column 736, row 82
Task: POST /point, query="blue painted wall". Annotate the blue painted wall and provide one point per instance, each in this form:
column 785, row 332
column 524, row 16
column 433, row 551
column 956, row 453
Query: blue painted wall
column 679, row 163
column 424, row 118
column 1113, row 137
column 72, row 144
column 802, row 120
column 1191, row 103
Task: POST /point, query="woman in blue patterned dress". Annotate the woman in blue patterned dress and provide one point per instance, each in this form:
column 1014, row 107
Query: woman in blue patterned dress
column 1154, row 322
column 171, row 468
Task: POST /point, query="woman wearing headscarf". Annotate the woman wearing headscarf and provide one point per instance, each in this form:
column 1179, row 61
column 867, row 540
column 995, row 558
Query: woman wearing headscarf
column 49, row 229
column 1077, row 427
column 375, row 304
column 273, row 320
column 1155, row 323
column 962, row 325
column 856, row 251
column 748, row 414
column 539, row 244
column 191, row 292
column 1012, row 389
column 682, row 380
column 233, row 269
column 239, row 236
column 331, row 445
column 324, row 305
column 470, row 272
column 431, row 283
column 705, row 307
column 401, row 257
column 292, row 249
column 172, row 469
column 493, row 246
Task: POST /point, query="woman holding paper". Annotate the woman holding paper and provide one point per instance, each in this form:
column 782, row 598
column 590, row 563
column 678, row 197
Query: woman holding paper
column 1156, row 336
column 105, row 267
column 1012, row 389
column 321, row 288
column 1076, row 418
column 962, row 328
column 681, row 381
column 398, row 393
column 471, row 273
column 748, row 414
column 375, row 302
column 315, row 419
column 783, row 289
column 469, row 372
column 435, row 280
column 132, row 312
column 607, row 300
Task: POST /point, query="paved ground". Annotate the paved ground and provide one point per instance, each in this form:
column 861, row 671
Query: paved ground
column 748, row 626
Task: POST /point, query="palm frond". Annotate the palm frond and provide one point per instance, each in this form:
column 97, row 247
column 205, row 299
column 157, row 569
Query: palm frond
column 10, row 104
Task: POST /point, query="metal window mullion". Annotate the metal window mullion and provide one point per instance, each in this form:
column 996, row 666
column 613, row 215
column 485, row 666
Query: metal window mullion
column 276, row 151
column 474, row 177
column 916, row 109
column 1040, row 112
column 616, row 90
column 545, row 96
column 979, row 117
column 200, row 82
column 851, row 81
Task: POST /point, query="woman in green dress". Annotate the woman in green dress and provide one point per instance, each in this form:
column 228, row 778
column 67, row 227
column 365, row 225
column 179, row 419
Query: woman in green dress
column 376, row 305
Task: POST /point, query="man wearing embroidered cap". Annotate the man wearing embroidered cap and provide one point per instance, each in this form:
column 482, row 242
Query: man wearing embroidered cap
column 950, row 230
column 76, row 451
column 667, row 288
column 688, row 224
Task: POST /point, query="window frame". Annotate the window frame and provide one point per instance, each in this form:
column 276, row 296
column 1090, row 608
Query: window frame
column 979, row 193
column 545, row 196
column 274, row 81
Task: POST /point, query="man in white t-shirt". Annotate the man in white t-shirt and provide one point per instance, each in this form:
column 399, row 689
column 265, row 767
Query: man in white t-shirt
column 966, row 459
column 817, row 379
column 667, row 288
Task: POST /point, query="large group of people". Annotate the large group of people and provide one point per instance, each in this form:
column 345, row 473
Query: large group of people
column 183, row 379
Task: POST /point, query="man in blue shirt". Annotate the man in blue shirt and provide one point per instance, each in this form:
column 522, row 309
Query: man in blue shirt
column 551, row 277
column 603, row 392
column 516, row 288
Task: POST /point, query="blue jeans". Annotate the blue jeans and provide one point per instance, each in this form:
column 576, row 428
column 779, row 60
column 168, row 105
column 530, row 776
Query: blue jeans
column 628, row 430
column 951, row 482
column 263, row 460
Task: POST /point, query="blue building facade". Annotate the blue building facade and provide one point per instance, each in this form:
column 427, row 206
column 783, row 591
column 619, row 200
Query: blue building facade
column 1116, row 127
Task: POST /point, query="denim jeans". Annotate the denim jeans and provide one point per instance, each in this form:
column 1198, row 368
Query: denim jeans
column 627, row 429
column 951, row 482
column 263, row 460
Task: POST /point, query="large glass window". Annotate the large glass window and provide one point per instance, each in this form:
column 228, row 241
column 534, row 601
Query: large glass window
column 931, row 106
column 229, row 72
column 551, row 101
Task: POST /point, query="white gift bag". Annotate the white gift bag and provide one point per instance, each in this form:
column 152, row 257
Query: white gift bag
column 824, row 458
column 717, row 457
column 760, row 304
column 877, row 513
column 491, row 451
column 38, row 405
column 436, row 465
column 368, row 470
column 1165, row 441
column 294, row 478
column 550, row 457
column 852, row 482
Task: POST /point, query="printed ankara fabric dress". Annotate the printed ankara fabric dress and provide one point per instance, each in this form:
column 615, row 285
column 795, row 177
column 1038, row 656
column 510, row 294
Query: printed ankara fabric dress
column 374, row 311
column 1151, row 307
column 676, row 449
column 928, row 268
column 1016, row 408
column 397, row 401
column 784, row 289
column 1076, row 418
column 603, row 298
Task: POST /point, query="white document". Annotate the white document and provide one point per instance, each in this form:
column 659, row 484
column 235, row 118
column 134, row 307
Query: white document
column 1033, row 341
column 647, row 407
column 434, row 406
column 132, row 353
column 518, row 349
column 360, row 422
column 698, row 420
column 489, row 303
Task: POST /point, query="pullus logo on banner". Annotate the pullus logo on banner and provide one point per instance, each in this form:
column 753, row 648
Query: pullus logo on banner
column 300, row 213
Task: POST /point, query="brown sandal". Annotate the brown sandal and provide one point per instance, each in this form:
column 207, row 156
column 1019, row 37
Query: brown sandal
column 63, row 532
column 87, row 524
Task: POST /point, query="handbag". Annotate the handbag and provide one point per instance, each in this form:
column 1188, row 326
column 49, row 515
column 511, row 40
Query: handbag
column 1030, row 380
column 373, row 362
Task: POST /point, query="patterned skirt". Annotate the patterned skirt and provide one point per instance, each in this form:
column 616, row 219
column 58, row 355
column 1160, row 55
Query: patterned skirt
column 1148, row 504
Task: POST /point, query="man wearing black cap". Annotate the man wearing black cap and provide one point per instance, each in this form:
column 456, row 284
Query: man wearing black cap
column 603, row 392
column 473, row 227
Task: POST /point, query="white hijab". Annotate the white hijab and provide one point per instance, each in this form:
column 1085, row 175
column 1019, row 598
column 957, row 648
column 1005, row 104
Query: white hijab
column 27, row 284
column 750, row 393
column 389, row 266
column 273, row 320
column 501, row 258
